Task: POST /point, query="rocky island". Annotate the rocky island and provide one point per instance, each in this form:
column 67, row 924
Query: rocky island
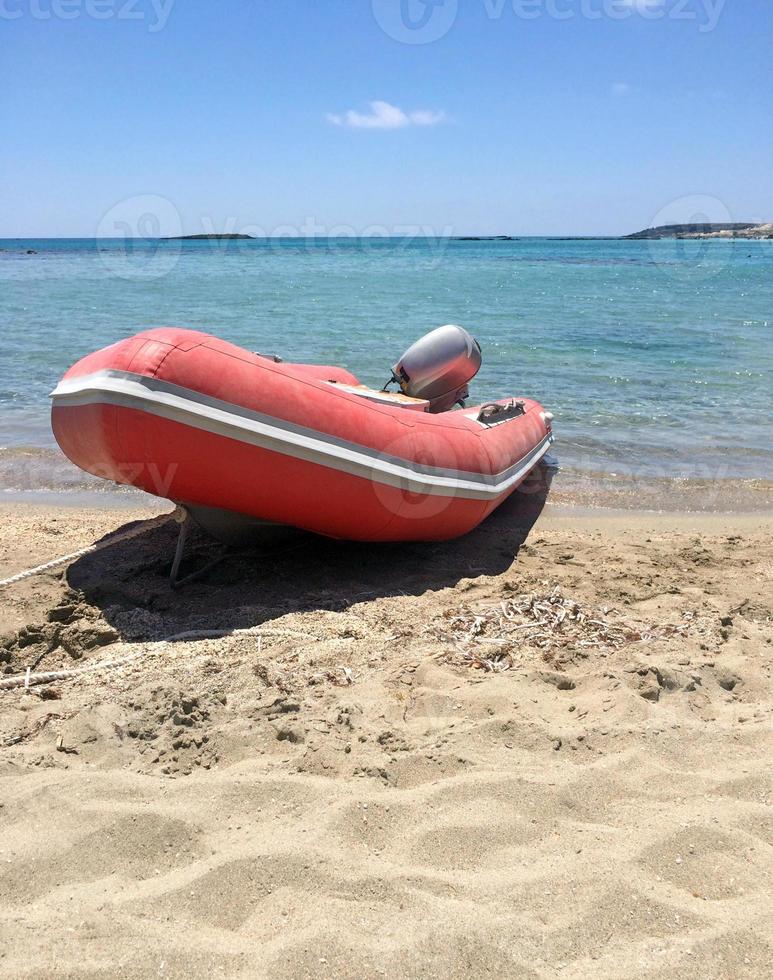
column 704, row 230
column 485, row 238
column 208, row 238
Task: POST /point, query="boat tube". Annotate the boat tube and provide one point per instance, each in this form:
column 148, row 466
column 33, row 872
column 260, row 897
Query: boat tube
column 186, row 416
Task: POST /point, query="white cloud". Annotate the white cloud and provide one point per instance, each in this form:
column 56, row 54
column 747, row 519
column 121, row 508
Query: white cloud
column 382, row 115
column 621, row 89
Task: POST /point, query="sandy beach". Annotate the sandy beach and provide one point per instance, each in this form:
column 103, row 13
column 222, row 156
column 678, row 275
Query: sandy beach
column 537, row 751
column 493, row 272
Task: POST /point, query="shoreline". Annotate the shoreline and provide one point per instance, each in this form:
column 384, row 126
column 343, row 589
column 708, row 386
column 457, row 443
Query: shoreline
column 574, row 490
column 43, row 475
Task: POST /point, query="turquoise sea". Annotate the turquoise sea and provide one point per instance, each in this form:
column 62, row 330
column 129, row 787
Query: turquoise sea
column 656, row 358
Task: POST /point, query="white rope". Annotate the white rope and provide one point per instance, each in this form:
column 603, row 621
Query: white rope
column 88, row 550
column 27, row 679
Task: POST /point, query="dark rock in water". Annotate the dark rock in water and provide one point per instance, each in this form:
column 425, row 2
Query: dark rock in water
column 31, row 251
column 208, row 238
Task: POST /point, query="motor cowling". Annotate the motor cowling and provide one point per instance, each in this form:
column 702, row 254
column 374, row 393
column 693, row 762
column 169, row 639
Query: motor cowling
column 439, row 366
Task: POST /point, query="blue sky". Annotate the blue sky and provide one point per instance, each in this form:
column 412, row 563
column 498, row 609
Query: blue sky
column 511, row 117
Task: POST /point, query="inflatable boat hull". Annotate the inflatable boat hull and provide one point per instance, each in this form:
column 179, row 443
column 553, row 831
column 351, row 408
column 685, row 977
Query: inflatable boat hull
column 189, row 417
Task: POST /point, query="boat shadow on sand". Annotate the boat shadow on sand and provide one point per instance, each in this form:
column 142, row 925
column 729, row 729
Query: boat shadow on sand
column 129, row 580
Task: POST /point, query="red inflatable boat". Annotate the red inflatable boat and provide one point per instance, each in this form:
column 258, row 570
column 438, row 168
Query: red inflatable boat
column 186, row 416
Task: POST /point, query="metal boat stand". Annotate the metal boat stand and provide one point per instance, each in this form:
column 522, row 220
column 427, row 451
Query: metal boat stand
column 184, row 519
column 239, row 535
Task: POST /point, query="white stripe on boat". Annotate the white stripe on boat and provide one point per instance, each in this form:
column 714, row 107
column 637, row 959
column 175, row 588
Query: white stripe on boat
column 194, row 409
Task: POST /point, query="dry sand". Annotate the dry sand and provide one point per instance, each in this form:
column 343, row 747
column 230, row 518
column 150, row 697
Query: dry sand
column 400, row 774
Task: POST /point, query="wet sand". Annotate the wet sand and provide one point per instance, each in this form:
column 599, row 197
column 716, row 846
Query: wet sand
column 542, row 750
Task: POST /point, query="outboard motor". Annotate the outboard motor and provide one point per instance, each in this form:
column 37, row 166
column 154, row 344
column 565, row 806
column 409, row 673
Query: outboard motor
column 439, row 366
